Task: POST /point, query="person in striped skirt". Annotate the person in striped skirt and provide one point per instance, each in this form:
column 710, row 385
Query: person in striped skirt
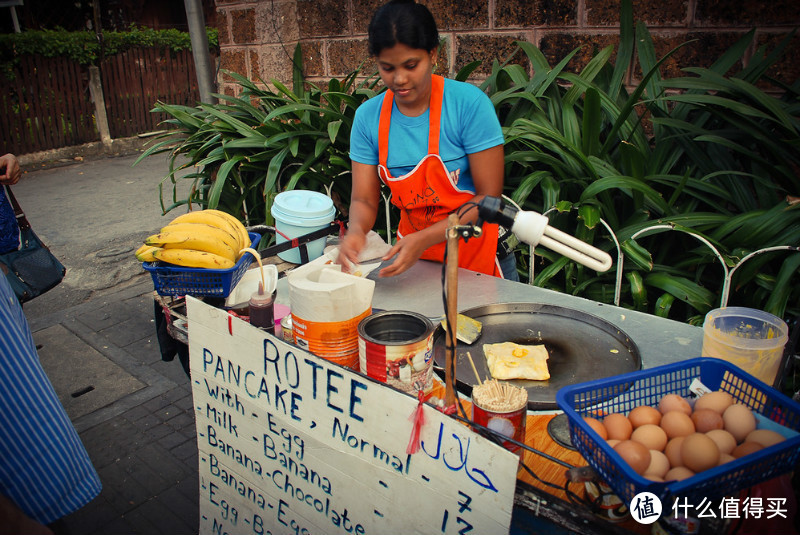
column 45, row 471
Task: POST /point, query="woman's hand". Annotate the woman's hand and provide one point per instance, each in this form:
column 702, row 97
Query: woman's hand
column 9, row 170
column 405, row 252
column 349, row 248
column 364, row 201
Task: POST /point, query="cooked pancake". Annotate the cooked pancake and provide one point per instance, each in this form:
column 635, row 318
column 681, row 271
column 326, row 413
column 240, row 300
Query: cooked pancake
column 508, row 360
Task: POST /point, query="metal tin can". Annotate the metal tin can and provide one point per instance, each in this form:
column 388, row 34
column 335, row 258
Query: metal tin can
column 501, row 417
column 396, row 347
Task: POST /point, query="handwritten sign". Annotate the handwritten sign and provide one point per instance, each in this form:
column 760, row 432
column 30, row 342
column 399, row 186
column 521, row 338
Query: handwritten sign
column 292, row 444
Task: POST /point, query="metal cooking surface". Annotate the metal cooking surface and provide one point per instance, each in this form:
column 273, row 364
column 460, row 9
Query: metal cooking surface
column 582, row 347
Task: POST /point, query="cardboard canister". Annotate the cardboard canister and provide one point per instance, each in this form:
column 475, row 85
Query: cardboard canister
column 335, row 341
column 327, row 306
column 396, row 347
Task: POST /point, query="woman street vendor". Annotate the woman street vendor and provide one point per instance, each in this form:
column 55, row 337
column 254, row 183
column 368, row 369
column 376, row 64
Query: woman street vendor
column 436, row 143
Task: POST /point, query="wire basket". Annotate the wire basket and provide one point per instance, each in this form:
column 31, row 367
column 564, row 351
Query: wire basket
column 646, row 387
column 174, row 280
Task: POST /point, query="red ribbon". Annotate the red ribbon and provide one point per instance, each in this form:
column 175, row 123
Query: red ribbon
column 418, row 417
column 452, row 409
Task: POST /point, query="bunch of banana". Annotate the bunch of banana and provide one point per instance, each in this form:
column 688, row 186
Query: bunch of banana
column 202, row 239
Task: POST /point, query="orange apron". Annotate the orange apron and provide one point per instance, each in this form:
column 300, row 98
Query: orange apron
column 429, row 194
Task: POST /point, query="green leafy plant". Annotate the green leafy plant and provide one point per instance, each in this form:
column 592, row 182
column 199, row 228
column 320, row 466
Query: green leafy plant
column 252, row 146
column 708, row 154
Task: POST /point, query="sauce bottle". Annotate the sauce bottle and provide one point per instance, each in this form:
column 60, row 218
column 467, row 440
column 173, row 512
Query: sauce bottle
column 262, row 310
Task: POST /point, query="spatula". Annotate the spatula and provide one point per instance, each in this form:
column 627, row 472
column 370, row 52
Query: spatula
column 468, row 329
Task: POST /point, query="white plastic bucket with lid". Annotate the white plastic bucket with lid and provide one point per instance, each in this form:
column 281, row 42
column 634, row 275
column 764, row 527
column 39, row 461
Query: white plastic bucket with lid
column 299, row 212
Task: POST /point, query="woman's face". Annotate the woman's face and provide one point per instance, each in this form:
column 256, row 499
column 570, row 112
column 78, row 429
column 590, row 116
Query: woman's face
column 407, row 72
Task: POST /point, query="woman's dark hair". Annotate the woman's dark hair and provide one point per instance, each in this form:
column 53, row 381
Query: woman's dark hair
column 405, row 22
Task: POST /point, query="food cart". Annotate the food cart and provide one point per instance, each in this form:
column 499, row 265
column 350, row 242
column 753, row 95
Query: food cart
column 291, row 443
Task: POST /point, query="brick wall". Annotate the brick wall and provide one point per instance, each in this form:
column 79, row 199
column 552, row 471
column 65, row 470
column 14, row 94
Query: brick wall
column 258, row 37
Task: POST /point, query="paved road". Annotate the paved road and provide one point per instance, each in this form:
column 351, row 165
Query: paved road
column 93, row 215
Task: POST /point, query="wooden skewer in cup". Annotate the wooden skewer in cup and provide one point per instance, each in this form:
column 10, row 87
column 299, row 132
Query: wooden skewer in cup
column 502, row 391
column 497, row 391
column 474, row 369
column 492, row 399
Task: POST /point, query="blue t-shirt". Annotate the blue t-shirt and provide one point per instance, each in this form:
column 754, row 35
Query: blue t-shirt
column 469, row 124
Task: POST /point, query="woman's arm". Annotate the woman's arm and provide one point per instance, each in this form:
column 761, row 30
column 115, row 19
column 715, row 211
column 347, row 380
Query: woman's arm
column 364, row 202
column 488, row 168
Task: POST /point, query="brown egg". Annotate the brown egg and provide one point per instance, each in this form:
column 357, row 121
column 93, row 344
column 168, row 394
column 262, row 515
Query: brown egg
column 739, row 421
column 612, row 442
column 659, row 465
column 652, row 477
column 635, row 454
column 618, row 426
column 598, row 427
column 677, row 424
column 716, row 401
column 673, row 451
column 674, row 402
column 699, row 452
column 724, row 440
column 765, row 437
column 651, row 436
column 706, row 419
column 725, row 458
column 679, row 473
column 643, row 415
column 746, row 448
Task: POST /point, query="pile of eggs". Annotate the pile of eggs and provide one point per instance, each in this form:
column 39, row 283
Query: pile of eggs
column 676, row 441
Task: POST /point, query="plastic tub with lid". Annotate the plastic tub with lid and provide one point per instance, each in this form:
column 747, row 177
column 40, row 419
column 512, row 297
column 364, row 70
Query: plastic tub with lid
column 299, row 212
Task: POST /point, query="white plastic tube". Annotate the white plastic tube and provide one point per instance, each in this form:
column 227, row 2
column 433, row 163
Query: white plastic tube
column 532, row 228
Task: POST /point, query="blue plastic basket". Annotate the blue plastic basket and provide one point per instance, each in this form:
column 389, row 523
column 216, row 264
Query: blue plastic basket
column 199, row 282
column 646, row 387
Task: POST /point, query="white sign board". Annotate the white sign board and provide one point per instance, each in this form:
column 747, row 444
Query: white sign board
column 292, row 444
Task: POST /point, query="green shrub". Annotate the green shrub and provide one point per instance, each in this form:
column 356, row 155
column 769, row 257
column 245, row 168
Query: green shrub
column 84, row 46
column 250, row 147
column 708, row 154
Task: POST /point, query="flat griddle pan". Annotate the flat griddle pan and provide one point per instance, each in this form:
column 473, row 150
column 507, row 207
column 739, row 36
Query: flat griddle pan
column 582, row 347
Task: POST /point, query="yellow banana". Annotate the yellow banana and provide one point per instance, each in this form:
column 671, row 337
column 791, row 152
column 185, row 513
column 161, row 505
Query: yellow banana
column 213, row 218
column 181, row 233
column 145, row 253
column 244, row 237
column 198, row 241
column 193, row 258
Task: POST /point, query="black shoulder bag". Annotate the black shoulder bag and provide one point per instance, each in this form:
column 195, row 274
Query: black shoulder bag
column 32, row 269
